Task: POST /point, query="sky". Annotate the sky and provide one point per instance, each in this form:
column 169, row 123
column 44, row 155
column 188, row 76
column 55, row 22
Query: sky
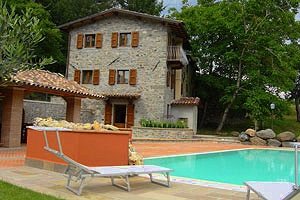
column 175, row 4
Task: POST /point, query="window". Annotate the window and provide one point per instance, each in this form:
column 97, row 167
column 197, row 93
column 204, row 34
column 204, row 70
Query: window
column 87, row 77
column 123, row 76
column 89, row 40
column 125, row 39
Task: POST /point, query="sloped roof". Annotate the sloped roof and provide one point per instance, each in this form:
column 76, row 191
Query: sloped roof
column 175, row 25
column 186, row 101
column 50, row 82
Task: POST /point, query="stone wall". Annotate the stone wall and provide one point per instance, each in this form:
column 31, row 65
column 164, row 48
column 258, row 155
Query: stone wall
column 162, row 133
column 43, row 109
column 46, row 109
column 149, row 58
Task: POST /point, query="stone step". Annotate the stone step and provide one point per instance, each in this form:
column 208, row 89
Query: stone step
column 165, row 140
column 215, row 137
column 196, row 138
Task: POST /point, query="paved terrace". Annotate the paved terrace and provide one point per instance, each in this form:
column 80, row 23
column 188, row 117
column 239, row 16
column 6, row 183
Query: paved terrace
column 12, row 170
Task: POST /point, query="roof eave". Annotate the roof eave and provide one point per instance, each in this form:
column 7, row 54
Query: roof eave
column 89, row 19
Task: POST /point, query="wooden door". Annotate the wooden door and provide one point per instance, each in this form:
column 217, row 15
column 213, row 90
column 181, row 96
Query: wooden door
column 130, row 115
column 119, row 115
column 108, row 113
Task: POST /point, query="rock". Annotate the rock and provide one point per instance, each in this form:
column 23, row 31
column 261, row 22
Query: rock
column 288, row 144
column 258, row 141
column 266, row 134
column 273, row 143
column 243, row 137
column 251, row 132
column 286, row 136
column 235, row 133
column 298, row 139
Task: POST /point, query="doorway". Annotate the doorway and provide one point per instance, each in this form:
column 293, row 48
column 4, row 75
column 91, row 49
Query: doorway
column 120, row 116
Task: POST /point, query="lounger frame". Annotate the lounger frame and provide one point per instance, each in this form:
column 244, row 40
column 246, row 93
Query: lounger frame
column 76, row 172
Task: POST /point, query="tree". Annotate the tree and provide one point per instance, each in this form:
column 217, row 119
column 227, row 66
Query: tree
column 19, row 36
column 295, row 94
column 51, row 45
column 250, row 43
column 152, row 7
column 63, row 11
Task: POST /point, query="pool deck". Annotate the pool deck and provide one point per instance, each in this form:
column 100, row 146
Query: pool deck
column 12, row 170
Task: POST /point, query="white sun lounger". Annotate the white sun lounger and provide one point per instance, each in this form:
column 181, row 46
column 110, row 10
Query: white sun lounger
column 275, row 190
column 78, row 172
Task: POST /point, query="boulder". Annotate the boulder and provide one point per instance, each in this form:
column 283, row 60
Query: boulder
column 266, row 134
column 243, row 137
column 286, row 136
column 251, row 132
column 288, row 144
column 258, row 141
column 273, row 143
column 298, row 139
column 235, row 133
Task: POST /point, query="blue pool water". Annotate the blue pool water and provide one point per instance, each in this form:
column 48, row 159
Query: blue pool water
column 234, row 167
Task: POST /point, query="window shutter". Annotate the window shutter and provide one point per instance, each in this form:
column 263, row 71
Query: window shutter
column 112, row 75
column 168, row 78
column 132, row 77
column 108, row 113
column 135, row 39
column 77, row 74
column 173, row 79
column 99, row 40
column 96, row 76
column 114, row 40
column 79, row 41
column 130, row 115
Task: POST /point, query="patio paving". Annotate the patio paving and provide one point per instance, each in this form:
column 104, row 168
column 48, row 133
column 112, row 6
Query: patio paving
column 100, row 188
column 52, row 183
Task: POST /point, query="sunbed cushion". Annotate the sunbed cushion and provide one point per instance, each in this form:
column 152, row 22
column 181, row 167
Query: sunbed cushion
column 271, row 190
column 129, row 169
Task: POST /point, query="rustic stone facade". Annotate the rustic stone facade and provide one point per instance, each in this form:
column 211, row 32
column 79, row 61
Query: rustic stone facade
column 149, row 58
column 56, row 110
column 165, row 133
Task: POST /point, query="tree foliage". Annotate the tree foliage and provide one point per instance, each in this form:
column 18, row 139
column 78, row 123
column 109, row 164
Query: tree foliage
column 20, row 34
column 152, row 7
column 63, row 11
column 251, row 43
column 51, row 45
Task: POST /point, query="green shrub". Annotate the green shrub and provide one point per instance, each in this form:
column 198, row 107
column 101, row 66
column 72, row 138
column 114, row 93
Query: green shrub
column 163, row 124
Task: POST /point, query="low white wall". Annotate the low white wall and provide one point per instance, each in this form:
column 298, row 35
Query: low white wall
column 186, row 111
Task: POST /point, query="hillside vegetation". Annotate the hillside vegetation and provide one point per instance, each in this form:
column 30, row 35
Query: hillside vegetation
column 287, row 123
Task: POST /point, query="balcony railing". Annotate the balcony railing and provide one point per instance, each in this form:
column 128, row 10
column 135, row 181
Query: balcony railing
column 176, row 53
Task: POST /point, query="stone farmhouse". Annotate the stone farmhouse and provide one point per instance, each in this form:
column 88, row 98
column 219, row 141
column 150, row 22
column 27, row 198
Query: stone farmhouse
column 137, row 62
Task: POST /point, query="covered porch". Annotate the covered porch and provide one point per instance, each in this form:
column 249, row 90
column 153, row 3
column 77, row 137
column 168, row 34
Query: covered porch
column 119, row 109
column 40, row 81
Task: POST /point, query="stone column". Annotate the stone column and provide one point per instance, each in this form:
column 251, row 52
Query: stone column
column 12, row 117
column 73, row 109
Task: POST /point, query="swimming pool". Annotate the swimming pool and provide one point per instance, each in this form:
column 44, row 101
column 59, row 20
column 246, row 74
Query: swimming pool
column 234, row 167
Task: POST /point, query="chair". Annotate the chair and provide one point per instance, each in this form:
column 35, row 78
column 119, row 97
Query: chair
column 276, row 190
column 78, row 172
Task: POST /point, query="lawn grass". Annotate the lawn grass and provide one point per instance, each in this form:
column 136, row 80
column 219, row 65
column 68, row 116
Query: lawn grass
column 287, row 123
column 12, row 192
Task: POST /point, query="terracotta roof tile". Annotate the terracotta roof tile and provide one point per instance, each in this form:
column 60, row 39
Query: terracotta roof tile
column 186, row 101
column 52, row 81
column 122, row 95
